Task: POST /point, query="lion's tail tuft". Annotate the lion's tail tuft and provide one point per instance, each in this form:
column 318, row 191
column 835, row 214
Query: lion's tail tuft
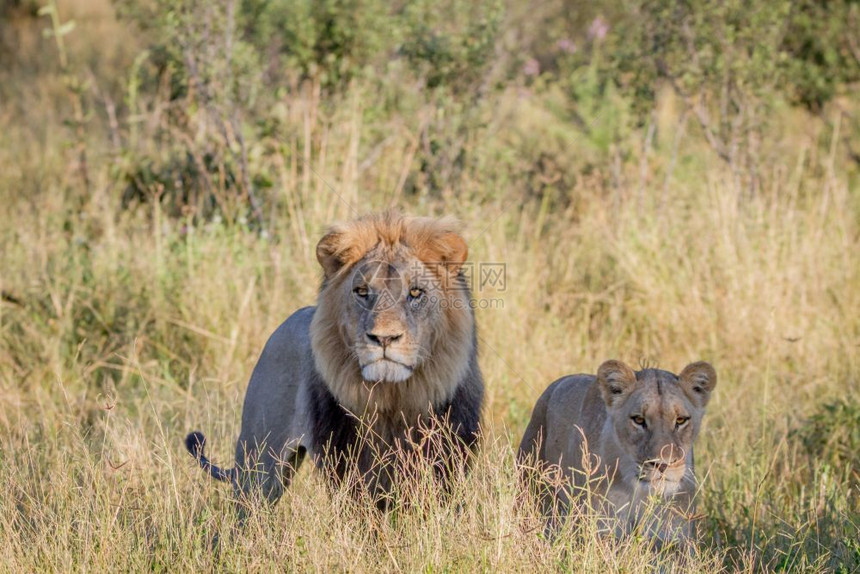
column 195, row 443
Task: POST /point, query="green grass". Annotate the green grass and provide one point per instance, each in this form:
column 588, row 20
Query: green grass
column 125, row 328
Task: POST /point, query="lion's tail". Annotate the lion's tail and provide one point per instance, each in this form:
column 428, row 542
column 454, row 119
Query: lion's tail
column 195, row 443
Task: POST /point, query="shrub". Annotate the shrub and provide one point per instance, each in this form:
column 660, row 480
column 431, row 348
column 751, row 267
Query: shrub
column 832, row 436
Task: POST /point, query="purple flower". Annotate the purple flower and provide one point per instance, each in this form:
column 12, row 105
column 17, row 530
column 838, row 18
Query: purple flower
column 531, row 67
column 598, row 29
column 566, row 45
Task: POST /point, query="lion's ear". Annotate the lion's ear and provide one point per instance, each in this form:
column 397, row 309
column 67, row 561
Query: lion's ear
column 453, row 251
column 447, row 250
column 698, row 380
column 333, row 252
column 615, row 380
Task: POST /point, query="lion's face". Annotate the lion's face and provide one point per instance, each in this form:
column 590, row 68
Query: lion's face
column 393, row 325
column 394, row 311
column 656, row 417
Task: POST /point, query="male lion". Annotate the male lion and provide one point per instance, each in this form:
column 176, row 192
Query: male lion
column 380, row 375
column 617, row 441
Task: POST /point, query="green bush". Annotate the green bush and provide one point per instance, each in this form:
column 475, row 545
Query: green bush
column 832, row 436
column 333, row 40
column 596, row 74
column 823, row 44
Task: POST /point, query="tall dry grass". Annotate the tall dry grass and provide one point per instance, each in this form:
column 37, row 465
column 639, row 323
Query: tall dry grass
column 123, row 329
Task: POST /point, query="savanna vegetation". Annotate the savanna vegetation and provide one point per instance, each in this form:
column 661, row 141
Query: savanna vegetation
column 662, row 182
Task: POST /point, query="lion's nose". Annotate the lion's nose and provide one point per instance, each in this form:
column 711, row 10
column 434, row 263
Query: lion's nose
column 382, row 340
column 658, row 465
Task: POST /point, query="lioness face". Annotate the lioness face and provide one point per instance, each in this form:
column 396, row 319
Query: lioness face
column 656, row 417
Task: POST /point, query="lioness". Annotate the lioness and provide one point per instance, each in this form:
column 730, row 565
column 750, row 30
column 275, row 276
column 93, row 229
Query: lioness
column 623, row 438
column 387, row 358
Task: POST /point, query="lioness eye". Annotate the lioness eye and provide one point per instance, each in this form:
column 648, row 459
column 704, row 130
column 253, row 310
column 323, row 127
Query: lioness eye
column 680, row 421
column 361, row 292
column 416, row 292
column 639, row 420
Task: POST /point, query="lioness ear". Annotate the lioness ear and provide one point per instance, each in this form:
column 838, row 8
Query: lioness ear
column 698, row 380
column 615, row 380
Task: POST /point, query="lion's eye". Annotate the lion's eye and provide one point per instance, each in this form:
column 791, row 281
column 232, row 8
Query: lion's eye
column 361, row 292
column 639, row 420
column 681, row 421
column 416, row 292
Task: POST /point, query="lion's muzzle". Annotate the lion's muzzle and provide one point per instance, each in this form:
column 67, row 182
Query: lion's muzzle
column 385, row 357
column 386, row 371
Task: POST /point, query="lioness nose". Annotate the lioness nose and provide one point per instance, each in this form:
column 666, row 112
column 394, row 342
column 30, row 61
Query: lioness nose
column 383, row 340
